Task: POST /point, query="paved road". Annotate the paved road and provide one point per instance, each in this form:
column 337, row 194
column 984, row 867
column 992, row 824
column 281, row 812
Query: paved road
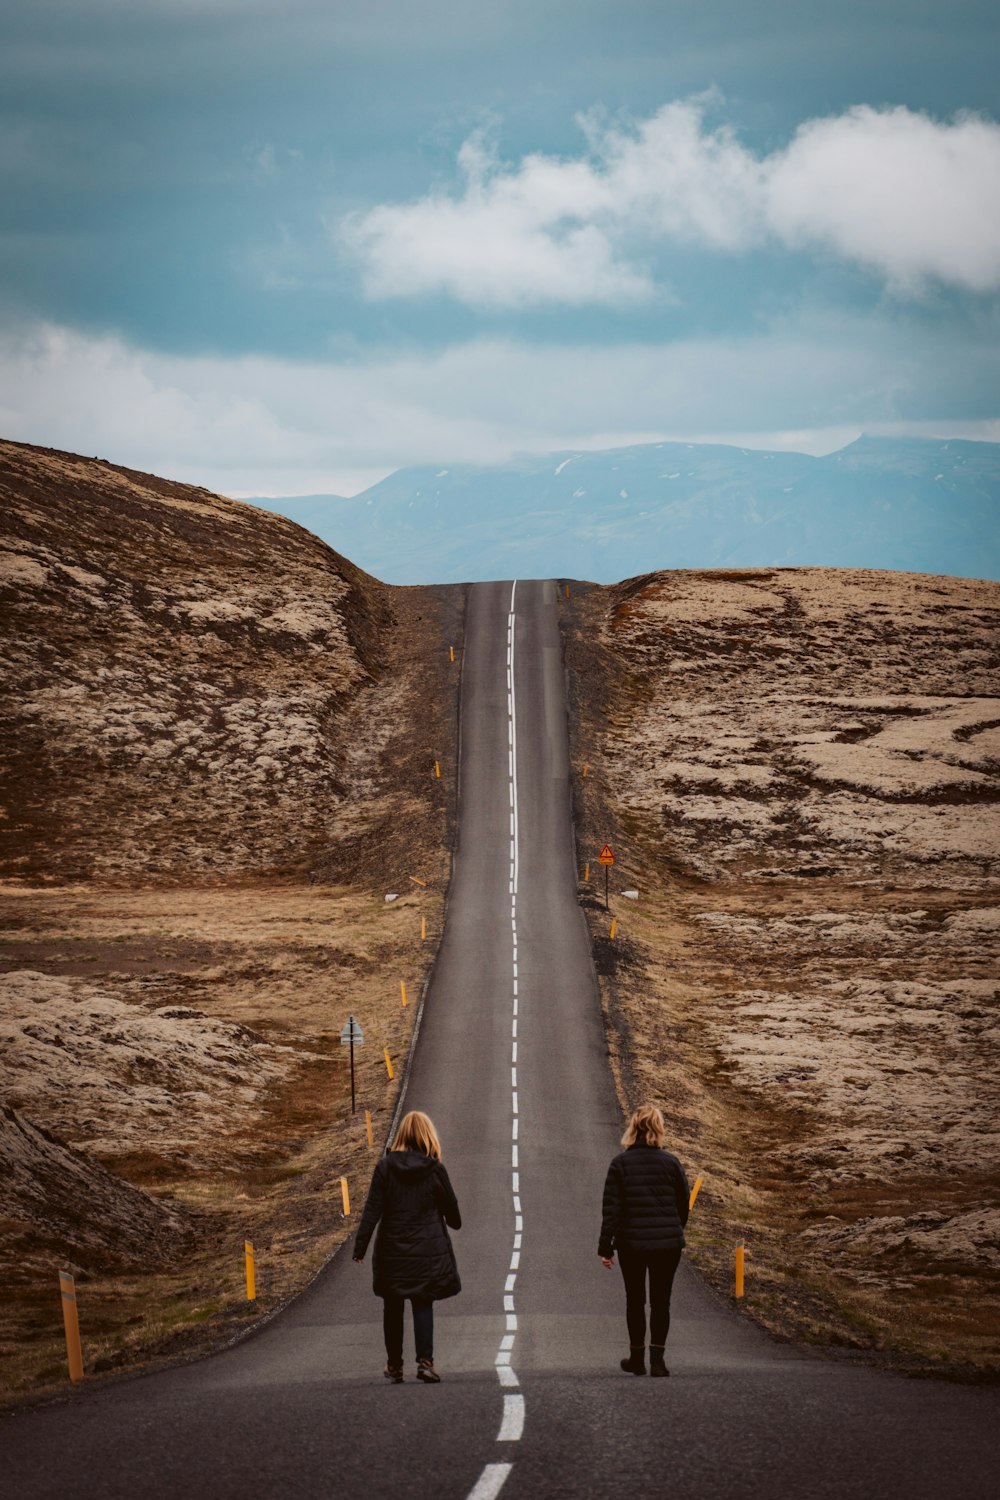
column 510, row 1062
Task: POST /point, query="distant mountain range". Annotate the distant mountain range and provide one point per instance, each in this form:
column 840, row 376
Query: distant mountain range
column 922, row 505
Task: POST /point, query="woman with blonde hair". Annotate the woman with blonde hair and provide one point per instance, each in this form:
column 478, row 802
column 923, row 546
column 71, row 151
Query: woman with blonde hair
column 413, row 1203
column 646, row 1200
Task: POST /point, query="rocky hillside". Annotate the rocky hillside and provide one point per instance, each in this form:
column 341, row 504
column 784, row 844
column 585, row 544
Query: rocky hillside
column 800, row 772
column 58, row 1201
column 179, row 671
column 812, row 722
column 217, row 749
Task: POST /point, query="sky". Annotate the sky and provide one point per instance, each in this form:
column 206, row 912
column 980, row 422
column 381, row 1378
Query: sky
column 287, row 246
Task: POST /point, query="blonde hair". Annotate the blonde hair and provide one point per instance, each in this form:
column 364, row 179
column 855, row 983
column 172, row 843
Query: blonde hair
column 416, row 1133
column 646, row 1125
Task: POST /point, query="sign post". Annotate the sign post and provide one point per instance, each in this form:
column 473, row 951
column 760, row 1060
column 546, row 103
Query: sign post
column 607, row 859
column 352, row 1036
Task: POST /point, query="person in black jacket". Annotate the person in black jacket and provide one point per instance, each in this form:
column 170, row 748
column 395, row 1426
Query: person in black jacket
column 646, row 1200
column 412, row 1201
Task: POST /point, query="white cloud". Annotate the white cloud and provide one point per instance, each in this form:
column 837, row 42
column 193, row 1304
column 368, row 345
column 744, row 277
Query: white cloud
column 906, row 195
column 900, row 192
column 259, row 425
column 513, row 238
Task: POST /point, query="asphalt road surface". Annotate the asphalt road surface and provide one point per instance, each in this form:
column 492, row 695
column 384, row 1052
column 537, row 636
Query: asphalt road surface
column 510, row 1062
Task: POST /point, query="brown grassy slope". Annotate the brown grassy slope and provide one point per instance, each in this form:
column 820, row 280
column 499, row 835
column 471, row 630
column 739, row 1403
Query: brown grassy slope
column 800, row 771
column 184, row 1042
column 218, row 750
column 178, row 672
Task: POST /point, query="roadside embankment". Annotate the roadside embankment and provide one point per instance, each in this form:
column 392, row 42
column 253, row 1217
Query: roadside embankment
column 799, row 770
column 218, row 742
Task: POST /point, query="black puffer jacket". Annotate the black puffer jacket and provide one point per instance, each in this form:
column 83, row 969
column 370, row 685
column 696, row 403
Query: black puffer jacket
column 414, row 1200
column 646, row 1200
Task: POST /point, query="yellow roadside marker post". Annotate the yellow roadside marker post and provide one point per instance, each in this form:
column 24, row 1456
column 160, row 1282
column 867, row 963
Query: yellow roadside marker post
column 423, row 929
column 71, row 1323
column 739, row 1268
column 695, row 1191
column 437, row 769
column 567, row 591
column 402, row 989
column 248, row 1257
column 388, row 1062
column 586, row 765
column 614, row 927
column 416, row 878
column 586, row 873
column 368, row 1127
column 451, row 652
column 346, row 1197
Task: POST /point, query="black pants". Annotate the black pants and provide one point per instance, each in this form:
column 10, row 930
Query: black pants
column 423, row 1327
column 661, row 1267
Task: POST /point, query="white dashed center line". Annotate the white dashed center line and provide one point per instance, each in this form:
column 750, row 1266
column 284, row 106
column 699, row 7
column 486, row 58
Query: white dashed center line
column 513, row 1419
column 490, row 1482
column 511, row 1429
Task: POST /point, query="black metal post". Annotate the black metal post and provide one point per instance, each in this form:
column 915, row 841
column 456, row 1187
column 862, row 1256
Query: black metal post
column 351, row 1024
column 606, row 906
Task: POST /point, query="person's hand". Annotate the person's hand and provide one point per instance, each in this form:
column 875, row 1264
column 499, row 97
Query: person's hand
column 608, row 1262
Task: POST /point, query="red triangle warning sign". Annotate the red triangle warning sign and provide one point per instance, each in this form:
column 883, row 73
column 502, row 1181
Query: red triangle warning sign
column 607, row 856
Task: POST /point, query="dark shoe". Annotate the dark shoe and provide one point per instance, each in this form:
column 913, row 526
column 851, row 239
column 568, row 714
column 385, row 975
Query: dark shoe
column 394, row 1373
column 656, row 1365
column 427, row 1373
column 636, row 1362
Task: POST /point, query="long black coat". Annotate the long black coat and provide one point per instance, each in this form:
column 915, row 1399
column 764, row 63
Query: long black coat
column 413, row 1202
column 646, row 1200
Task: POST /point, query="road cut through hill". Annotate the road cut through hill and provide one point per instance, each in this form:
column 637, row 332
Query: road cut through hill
column 511, row 1061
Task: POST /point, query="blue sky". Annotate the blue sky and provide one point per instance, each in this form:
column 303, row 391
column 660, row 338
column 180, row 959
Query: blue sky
column 281, row 246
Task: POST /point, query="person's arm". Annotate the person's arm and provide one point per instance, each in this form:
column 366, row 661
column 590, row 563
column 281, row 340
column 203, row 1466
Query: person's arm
column 610, row 1211
column 446, row 1200
column 372, row 1211
column 683, row 1195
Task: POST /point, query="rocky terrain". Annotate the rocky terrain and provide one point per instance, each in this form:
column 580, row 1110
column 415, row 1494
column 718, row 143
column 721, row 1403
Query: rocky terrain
column 217, row 746
column 184, row 677
column 800, row 772
column 55, row 1196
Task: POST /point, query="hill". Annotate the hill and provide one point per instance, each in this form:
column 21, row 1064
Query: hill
column 799, row 771
column 912, row 504
column 180, row 670
column 217, row 741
